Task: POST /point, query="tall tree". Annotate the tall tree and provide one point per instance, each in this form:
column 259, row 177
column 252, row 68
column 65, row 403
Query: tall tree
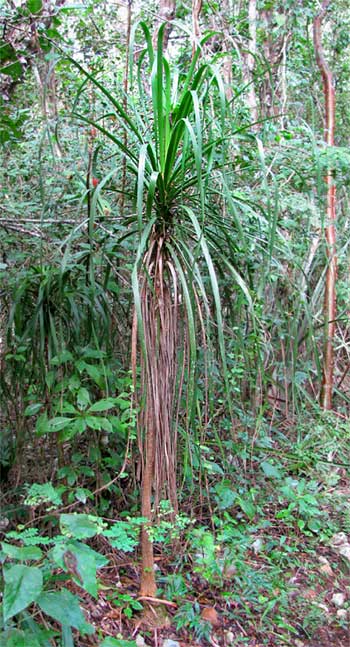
column 331, row 274
column 180, row 237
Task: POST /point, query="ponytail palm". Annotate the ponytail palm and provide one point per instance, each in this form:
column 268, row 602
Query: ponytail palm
column 175, row 138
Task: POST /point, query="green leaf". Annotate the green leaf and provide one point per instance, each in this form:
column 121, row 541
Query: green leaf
column 270, row 470
column 23, row 584
column 94, row 372
column 34, row 6
column 14, row 70
column 83, row 398
column 93, row 353
column 67, row 407
column 34, row 634
column 102, row 405
column 93, row 422
column 247, row 506
column 106, row 425
column 67, row 636
column 58, row 423
column 212, row 467
column 122, row 536
column 80, row 526
column 43, row 493
column 69, row 473
column 32, row 409
column 18, row 638
column 225, row 496
column 42, row 424
column 87, row 562
column 123, row 404
column 79, row 426
column 280, row 19
column 22, row 552
column 62, row 358
column 64, row 607
column 7, row 52
column 116, row 642
column 82, row 494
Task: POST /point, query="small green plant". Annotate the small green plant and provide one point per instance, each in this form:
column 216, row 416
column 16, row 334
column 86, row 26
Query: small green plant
column 175, row 587
column 40, row 493
column 206, row 556
column 126, row 603
column 188, row 617
column 118, row 642
column 168, row 527
column 31, row 581
column 73, row 383
column 303, row 507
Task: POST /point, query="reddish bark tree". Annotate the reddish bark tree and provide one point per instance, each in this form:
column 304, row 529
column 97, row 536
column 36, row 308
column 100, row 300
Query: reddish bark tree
column 330, row 233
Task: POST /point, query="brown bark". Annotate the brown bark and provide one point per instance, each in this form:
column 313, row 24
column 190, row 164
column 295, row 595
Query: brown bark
column 196, row 10
column 227, row 46
column 223, row 42
column 274, row 51
column 157, row 412
column 148, row 582
column 148, row 585
column 167, row 15
column 330, row 233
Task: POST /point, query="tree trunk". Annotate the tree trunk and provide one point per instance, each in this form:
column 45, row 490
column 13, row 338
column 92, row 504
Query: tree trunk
column 156, row 420
column 167, row 15
column 250, row 62
column 148, row 582
column 329, row 309
column 125, row 101
column 196, row 10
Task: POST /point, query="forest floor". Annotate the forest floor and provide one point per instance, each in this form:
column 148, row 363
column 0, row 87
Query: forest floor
column 313, row 589
column 302, row 601
column 263, row 562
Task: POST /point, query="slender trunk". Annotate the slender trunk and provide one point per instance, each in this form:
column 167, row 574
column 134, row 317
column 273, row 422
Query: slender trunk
column 196, row 10
column 227, row 45
column 159, row 369
column 273, row 49
column 331, row 275
column 167, row 15
column 148, row 582
column 125, row 102
column 250, row 61
column 45, row 77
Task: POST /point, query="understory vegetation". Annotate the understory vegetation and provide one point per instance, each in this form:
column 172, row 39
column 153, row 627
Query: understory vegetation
column 171, row 473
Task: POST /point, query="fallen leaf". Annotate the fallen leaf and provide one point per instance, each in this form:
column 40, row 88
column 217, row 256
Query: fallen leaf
column 326, row 570
column 209, row 614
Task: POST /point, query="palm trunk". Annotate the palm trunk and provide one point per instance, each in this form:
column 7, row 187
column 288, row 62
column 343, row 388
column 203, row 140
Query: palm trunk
column 157, row 433
column 148, row 582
